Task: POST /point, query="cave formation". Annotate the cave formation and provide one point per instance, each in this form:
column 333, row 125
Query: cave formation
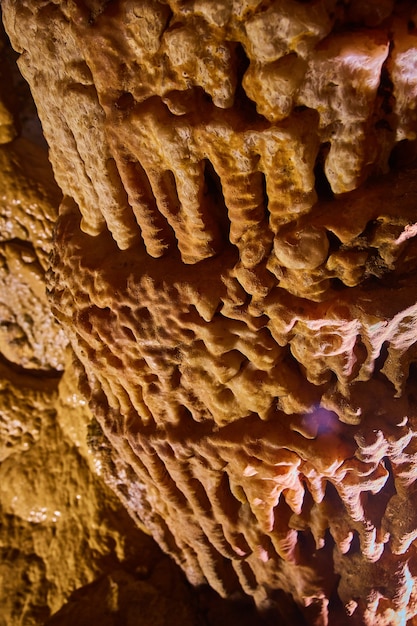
column 208, row 312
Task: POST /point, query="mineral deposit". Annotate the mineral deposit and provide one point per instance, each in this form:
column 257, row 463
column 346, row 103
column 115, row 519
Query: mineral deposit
column 234, row 266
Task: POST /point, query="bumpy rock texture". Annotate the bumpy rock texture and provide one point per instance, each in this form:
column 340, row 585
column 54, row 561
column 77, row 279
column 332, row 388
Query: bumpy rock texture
column 69, row 552
column 234, row 265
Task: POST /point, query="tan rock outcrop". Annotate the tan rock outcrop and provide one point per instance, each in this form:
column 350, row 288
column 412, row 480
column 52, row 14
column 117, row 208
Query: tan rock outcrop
column 69, row 552
column 234, row 266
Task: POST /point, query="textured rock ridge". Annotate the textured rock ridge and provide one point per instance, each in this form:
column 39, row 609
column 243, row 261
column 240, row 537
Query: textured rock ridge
column 60, row 526
column 69, row 552
column 234, row 266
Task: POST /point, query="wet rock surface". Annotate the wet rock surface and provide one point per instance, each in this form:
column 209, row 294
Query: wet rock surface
column 233, row 266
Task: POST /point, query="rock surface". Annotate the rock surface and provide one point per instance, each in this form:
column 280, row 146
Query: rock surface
column 69, row 551
column 234, row 266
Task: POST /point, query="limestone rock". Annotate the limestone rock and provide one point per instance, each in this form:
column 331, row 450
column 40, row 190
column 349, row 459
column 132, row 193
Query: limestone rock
column 42, row 524
column 29, row 336
column 234, row 270
column 66, row 541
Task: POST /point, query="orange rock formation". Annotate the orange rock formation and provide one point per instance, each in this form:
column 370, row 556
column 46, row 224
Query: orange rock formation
column 234, row 265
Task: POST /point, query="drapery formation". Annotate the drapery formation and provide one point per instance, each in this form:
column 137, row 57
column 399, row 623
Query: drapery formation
column 234, row 265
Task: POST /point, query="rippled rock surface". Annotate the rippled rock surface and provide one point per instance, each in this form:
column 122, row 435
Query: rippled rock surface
column 234, row 265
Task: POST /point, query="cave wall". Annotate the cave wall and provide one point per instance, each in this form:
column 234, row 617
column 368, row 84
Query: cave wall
column 234, row 267
column 69, row 551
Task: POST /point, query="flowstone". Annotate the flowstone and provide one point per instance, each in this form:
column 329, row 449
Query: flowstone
column 234, row 266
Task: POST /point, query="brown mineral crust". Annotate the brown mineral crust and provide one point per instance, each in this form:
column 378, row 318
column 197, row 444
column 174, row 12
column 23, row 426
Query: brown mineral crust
column 167, row 64
column 60, row 526
column 29, row 335
column 248, row 339
column 346, row 106
column 254, row 488
column 29, row 197
column 66, row 543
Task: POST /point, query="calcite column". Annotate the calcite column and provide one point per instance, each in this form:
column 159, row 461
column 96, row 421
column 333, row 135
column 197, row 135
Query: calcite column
column 234, row 265
column 61, row 527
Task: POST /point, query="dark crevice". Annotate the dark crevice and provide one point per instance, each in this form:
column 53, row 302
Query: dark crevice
column 377, row 503
column 264, row 6
column 168, row 188
column 334, row 242
column 403, row 154
column 265, row 195
column 322, row 185
column 385, row 93
column 186, row 415
column 125, row 102
column 337, row 285
column 250, row 577
column 213, row 189
column 386, row 121
column 355, row 544
column 128, row 333
column 225, row 571
column 18, row 98
column 306, row 544
column 368, row 234
column 336, row 606
column 281, row 609
column 169, row 16
column 383, row 355
column 229, row 504
column 49, row 374
column 411, row 383
column 245, row 107
column 199, row 495
column 15, row 241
